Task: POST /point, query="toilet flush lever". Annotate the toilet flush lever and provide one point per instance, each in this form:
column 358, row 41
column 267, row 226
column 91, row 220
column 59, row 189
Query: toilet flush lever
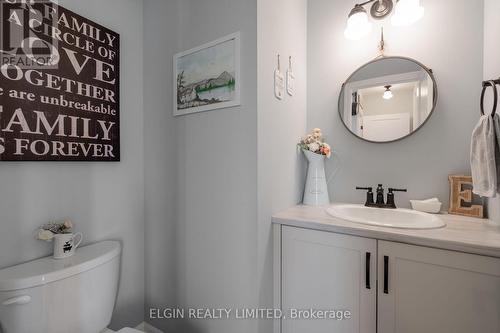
column 20, row 300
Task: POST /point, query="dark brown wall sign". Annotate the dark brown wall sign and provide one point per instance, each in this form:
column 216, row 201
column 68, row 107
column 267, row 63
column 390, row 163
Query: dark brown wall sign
column 59, row 85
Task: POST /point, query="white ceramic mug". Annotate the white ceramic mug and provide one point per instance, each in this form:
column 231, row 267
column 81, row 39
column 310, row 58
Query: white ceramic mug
column 65, row 245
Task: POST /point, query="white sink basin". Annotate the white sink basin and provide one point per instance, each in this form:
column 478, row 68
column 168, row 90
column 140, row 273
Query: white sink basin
column 392, row 218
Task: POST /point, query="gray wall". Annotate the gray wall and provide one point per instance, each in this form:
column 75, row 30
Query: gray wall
column 105, row 200
column 282, row 26
column 208, row 236
column 491, row 45
column 160, row 40
column 492, row 71
column 204, row 219
column 449, row 40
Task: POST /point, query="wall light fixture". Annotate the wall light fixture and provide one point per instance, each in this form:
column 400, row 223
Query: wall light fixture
column 406, row 12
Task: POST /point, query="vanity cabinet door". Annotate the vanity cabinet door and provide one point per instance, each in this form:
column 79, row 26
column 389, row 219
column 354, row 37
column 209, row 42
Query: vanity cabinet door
column 326, row 271
column 428, row 290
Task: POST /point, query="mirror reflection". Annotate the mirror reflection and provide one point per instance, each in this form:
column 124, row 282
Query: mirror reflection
column 387, row 99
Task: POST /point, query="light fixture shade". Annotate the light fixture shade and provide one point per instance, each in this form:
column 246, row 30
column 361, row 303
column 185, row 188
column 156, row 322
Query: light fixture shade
column 388, row 93
column 358, row 24
column 407, row 12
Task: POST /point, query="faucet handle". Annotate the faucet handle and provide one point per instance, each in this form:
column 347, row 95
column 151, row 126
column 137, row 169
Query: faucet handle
column 369, row 195
column 390, row 196
column 369, row 189
column 397, row 190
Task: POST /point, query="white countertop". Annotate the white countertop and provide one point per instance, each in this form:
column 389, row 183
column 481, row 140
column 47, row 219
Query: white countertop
column 464, row 234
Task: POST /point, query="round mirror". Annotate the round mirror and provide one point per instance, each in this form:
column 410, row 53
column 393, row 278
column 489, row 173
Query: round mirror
column 388, row 99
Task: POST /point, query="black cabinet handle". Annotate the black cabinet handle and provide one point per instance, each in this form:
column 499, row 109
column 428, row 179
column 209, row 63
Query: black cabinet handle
column 386, row 275
column 367, row 270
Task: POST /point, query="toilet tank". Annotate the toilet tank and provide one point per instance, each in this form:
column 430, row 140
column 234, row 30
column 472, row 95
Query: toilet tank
column 73, row 295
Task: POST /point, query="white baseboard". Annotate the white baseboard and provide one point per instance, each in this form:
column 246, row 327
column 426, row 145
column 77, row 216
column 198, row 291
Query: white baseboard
column 148, row 328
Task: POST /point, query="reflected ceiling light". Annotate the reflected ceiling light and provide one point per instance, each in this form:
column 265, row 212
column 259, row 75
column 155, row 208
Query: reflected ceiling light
column 407, row 12
column 388, row 93
column 358, row 25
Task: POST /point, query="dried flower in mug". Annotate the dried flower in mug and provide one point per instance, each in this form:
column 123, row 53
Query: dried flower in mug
column 47, row 231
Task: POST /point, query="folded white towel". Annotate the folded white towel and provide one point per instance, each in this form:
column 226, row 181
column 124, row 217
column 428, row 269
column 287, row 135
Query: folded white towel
column 482, row 157
column 433, row 200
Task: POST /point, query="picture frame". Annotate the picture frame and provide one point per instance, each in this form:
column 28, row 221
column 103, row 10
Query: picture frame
column 207, row 77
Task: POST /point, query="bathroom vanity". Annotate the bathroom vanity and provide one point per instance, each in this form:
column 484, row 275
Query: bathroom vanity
column 391, row 280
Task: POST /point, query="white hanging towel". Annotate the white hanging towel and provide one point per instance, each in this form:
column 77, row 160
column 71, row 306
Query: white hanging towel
column 482, row 157
column 496, row 124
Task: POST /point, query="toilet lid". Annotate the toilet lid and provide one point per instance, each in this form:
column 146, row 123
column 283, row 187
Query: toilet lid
column 129, row 330
column 46, row 270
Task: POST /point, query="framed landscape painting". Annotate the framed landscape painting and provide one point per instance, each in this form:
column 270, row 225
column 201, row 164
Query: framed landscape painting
column 208, row 77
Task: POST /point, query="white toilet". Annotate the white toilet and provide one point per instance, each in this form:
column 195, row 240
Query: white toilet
column 73, row 295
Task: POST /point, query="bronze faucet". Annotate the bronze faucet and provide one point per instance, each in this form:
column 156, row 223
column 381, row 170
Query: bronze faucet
column 381, row 203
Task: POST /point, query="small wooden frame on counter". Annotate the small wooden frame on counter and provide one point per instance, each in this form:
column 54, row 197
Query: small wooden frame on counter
column 461, row 197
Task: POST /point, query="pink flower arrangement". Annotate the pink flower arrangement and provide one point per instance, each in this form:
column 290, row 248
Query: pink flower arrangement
column 315, row 143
